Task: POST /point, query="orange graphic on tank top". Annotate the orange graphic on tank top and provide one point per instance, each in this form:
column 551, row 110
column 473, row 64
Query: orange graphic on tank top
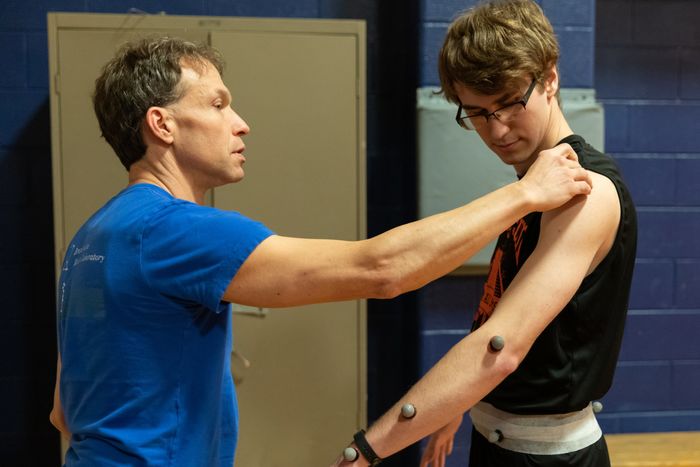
column 496, row 282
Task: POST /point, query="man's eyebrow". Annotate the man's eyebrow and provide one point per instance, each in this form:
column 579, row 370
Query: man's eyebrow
column 224, row 93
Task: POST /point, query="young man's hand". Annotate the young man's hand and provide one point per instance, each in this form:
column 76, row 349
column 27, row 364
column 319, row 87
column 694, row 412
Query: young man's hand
column 555, row 178
column 360, row 462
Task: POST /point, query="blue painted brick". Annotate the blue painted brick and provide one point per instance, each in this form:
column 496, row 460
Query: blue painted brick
column 450, row 302
column 444, row 10
column 38, row 61
column 24, row 119
column 576, row 62
column 14, row 179
column 268, row 8
column 652, row 285
column 357, row 9
column 687, row 284
column 462, row 443
column 609, row 423
column 435, row 345
column 651, row 180
column 685, row 383
column 40, row 176
column 649, row 422
column 690, row 73
column 688, row 181
column 665, row 128
column 614, row 22
column 570, row 12
column 13, row 49
column 433, row 36
column 22, row 15
column 664, row 234
column 630, row 389
column 665, row 336
column 174, row 7
column 666, row 22
column 12, row 285
column 559, row 12
column 390, row 165
column 636, row 73
column 616, row 127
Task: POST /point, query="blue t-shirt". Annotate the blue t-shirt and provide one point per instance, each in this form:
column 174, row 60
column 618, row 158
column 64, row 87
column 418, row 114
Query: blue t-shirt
column 144, row 338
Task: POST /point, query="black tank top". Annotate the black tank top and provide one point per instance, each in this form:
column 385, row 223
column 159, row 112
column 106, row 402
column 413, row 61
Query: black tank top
column 573, row 361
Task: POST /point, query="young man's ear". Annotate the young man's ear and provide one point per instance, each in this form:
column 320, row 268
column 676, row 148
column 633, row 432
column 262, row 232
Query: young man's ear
column 158, row 123
column 551, row 81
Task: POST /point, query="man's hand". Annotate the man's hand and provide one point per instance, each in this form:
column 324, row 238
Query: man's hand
column 555, row 178
column 440, row 445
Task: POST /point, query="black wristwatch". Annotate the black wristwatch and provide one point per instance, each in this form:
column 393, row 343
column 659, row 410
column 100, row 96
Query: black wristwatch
column 365, row 449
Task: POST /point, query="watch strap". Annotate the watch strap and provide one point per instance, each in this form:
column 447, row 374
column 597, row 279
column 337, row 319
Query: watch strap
column 365, row 449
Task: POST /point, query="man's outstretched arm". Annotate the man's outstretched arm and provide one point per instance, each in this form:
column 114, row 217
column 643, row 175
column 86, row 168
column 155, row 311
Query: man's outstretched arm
column 285, row 271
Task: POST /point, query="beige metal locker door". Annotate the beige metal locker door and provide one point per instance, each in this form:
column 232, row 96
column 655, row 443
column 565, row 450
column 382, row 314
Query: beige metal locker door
column 301, row 94
column 86, row 171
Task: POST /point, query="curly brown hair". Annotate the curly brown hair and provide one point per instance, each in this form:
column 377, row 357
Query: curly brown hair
column 143, row 74
column 492, row 46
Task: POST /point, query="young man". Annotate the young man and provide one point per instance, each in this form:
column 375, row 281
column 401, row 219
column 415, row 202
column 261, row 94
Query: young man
column 558, row 287
column 143, row 316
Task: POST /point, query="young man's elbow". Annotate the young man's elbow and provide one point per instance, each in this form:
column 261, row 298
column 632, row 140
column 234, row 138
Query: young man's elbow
column 507, row 363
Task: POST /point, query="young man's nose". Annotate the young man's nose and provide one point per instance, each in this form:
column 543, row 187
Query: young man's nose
column 496, row 129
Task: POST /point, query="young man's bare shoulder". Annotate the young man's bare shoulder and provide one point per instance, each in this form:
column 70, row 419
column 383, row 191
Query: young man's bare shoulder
column 591, row 219
column 602, row 201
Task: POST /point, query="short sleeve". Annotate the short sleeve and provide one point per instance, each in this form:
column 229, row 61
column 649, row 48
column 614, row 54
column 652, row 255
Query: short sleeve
column 192, row 252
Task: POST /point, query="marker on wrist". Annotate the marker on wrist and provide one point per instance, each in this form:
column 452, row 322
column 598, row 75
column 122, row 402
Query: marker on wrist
column 351, row 454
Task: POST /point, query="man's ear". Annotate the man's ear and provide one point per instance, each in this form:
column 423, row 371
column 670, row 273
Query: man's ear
column 551, row 81
column 159, row 124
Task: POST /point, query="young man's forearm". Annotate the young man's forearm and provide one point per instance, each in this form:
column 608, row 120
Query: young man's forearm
column 459, row 380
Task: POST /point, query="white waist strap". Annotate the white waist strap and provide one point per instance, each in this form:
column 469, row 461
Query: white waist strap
column 536, row 434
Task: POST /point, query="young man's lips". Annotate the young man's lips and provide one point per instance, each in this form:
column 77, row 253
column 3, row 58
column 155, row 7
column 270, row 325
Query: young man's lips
column 507, row 145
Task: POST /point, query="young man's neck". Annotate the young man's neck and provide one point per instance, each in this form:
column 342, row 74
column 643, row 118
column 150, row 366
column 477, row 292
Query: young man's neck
column 557, row 129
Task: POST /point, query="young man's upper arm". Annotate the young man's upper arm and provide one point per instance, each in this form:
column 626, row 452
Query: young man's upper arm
column 573, row 240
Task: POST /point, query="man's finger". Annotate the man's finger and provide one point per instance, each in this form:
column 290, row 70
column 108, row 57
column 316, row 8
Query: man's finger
column 582, row 188
column 583, row 175
column 568, row 152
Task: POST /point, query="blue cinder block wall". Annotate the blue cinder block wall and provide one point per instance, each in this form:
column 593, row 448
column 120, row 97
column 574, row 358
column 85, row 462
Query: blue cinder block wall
column 27, row 334
column 643, row 59
column 647, row 75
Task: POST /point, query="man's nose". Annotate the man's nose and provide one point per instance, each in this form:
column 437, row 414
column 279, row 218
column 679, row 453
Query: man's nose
column 240, row 127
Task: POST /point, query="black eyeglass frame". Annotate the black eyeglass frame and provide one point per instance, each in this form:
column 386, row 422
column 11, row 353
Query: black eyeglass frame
column 523, row 101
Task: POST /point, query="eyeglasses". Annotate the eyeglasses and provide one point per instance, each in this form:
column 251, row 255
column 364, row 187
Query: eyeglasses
column 504, row 115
